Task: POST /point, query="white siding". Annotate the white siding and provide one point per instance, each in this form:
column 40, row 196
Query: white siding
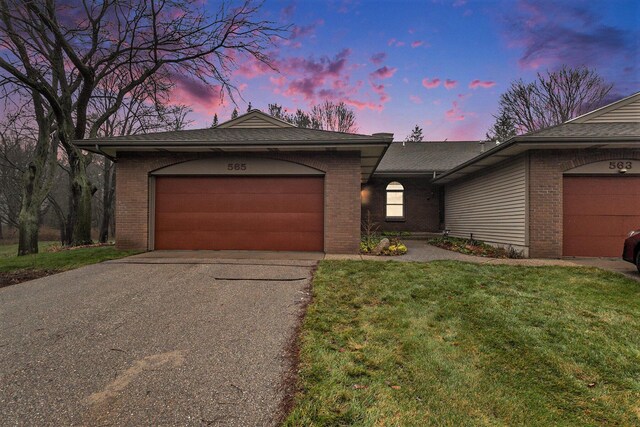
column 492, row 206
column 626, row 113
column 255, row 122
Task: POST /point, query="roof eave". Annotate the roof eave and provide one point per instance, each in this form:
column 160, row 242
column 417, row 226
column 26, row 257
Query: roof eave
column 563, row 144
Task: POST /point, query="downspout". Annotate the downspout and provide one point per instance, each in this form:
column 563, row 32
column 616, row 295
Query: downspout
column 113, row 159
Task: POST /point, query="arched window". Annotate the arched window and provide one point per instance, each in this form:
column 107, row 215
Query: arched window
column 395, row 201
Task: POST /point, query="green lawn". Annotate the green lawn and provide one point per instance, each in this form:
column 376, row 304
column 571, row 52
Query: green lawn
column 55, row 261
column 457, row 344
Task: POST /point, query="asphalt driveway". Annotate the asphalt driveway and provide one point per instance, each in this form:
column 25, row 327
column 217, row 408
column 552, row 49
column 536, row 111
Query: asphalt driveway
column 139, row 343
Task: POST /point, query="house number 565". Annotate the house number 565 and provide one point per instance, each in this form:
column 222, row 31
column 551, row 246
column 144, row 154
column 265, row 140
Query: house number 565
column 236, row 166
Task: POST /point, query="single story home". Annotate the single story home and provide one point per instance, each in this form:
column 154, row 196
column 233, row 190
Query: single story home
column 252, row 183
column 259, row 183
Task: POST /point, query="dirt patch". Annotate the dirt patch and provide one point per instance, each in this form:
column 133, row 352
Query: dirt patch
column 19, row 276
column 289, row 385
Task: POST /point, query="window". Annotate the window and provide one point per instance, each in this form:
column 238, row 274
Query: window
column 395, row 201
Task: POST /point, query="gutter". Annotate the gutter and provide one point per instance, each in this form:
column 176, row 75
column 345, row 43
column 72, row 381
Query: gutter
column 525, row 140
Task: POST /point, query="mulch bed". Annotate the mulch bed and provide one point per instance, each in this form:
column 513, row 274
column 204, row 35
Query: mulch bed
column 15, row 277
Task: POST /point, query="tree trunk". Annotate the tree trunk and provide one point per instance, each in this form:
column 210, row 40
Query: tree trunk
column 107, row 200
column 79, row 219
column 29, row 216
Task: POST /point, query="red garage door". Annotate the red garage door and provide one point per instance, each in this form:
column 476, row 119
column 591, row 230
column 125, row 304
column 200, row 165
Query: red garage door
column 242, row 213
column 599, row 212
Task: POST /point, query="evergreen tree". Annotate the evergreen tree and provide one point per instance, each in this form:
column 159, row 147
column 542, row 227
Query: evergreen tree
column 234, row 113
column 215, row 120
column 249, row 107
column 416, row 135
column 503, row 129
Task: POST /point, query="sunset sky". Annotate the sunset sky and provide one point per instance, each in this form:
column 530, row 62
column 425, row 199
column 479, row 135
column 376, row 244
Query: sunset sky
column 436, row 63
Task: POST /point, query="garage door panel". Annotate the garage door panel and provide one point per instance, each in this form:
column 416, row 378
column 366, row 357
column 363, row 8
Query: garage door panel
column 235, row 185
column 596, row 204
column 602, row 185
column 255, row 222
column 239, row 213
column 598, row 212
column 293, row 202
column 239, row 240
column 585, row 225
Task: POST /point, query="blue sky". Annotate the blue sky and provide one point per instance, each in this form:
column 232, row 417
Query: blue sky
column 439, row 64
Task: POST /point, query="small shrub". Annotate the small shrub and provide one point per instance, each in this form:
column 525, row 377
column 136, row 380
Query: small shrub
column 474, row 247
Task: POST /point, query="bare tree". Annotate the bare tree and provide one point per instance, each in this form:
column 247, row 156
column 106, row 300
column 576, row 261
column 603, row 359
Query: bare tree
column 145, row 109
column 334, row 117
column 62, row 50
column 553, row 98
column 28, row 150
column 325, row 116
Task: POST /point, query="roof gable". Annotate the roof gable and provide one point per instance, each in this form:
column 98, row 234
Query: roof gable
column 255, row 119
column 626, row 110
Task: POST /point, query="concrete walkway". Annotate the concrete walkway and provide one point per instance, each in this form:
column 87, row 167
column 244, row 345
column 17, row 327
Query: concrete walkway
column 421, row 251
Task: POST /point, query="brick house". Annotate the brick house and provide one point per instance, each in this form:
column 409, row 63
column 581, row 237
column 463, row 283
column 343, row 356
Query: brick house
column 568, row 190
column 258, row 183
column 400, row 196
column 252, row 183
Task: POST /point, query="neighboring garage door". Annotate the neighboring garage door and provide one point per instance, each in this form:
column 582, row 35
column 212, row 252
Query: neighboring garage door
column 599, row 212
column 239, row 213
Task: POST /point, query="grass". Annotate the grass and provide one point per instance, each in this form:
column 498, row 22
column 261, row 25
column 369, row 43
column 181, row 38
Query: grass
column 458, row 344
column 14, row 267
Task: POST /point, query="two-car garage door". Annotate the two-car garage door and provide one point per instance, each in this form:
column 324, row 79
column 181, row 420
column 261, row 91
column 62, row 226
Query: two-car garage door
column 284, row 213
column 599, row 211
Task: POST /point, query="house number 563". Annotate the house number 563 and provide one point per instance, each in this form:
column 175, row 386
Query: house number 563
column 620, row 165
column 236, row 166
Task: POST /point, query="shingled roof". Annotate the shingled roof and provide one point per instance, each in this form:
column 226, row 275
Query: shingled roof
column 254, row 131
column 588, row 130
column 616, row 125
column 229, row 136
column 426, row 157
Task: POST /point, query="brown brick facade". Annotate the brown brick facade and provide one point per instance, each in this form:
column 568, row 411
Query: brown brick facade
column 421, row 204
column 342, row 194
column 546, row 170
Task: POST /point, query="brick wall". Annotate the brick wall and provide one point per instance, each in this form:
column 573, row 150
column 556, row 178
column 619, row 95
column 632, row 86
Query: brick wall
column 546, row 169
column 421, row 205
column 342, row 194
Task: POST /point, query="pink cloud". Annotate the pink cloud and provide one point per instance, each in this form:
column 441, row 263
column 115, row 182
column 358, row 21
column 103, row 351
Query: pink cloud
column 551, row 34
column 361, row 105
column 450, row 84
column 383, row 73
column 378, row 58
column 415, row 99
column 306, row 30
column 483, row 84
column 417, row 43
column 287, row 12
column 197, row 95
column 431, row 84
column 395, row 42
column 455, row 113
column 310, row 75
